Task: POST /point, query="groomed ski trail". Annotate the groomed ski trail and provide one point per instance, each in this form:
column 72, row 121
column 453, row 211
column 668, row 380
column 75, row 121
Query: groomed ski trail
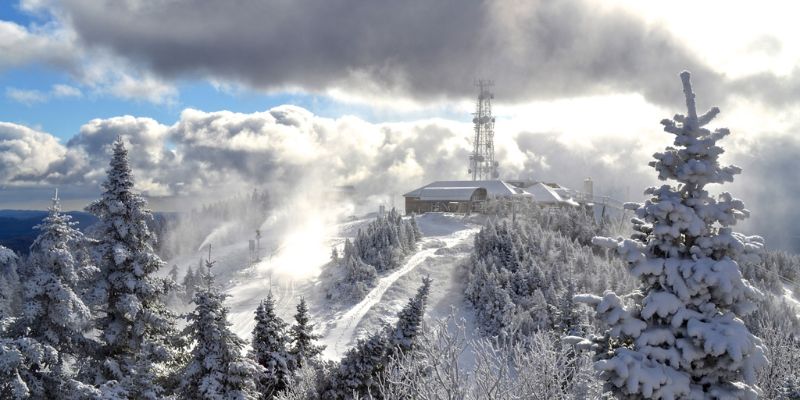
column 343, row 333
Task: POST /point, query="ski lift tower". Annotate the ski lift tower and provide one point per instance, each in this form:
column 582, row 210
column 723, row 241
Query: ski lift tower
column 482, row 165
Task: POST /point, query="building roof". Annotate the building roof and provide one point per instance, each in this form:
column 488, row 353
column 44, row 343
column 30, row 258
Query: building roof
column 449, row 193
column 547, row 194
column 494, row 188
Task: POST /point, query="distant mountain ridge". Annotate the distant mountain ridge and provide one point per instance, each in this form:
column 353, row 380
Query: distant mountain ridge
column 17, row 230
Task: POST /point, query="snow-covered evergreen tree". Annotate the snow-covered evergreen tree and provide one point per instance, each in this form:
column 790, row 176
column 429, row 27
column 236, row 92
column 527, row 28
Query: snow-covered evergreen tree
column 21, row 361
column 409, row 324
column 217, row 370
column 9, row 284
column 384, row 242
column 359, row 372
column 54, row 313
column 173, row 273
column 680, row 335
column 189, row 284
column 270, row 349
column 334, row 255
column 379, row 247
column 303, row 337
column 138, row 335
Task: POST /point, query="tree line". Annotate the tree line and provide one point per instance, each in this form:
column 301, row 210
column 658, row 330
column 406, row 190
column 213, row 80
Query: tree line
column 83, row 317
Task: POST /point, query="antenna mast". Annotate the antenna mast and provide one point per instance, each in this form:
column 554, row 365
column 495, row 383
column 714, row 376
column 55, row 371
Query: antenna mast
column 482, row 165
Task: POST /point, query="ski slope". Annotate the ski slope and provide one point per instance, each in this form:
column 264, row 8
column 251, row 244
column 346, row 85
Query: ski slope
column 343, row 334
column 447, row 241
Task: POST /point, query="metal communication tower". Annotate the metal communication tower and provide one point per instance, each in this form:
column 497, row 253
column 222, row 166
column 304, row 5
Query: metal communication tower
column 482, row 165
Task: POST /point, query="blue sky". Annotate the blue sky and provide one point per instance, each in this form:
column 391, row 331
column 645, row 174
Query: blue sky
column 63, row 116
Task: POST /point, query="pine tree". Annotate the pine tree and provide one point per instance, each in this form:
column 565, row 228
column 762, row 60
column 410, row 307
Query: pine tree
column 54, row 313
column 9, row 284
column 139, row 340
column 409, row 323
column 216, row 370
column 360, row 369
column 303, row 337
column 359, row 372
column 334, row 255
column 189, row 285
column 682, row 336
column 270, row 349
column 20, row 363
column 173, row 273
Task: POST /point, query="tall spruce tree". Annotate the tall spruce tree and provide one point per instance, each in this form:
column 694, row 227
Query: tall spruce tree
column 681, row 335
column 139, row 340
column 270, row 349
column 54, row 312
column 303, row 337
column 217, row 370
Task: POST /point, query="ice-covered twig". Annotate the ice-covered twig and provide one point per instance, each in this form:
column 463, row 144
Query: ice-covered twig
column 691, row 119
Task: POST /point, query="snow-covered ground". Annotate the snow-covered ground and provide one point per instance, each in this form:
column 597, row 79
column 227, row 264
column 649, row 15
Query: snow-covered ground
column 447, row 241
column 341, row 332
column 788, row 296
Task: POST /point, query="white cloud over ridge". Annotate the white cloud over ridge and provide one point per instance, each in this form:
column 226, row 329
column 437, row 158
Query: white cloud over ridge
column 287, row 149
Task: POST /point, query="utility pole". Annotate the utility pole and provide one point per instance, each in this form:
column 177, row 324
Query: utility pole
column 258, row 245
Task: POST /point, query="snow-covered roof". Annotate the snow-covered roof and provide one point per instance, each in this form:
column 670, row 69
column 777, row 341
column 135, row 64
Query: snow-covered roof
column 494, row 188
column 448, row 193
column 546, row 194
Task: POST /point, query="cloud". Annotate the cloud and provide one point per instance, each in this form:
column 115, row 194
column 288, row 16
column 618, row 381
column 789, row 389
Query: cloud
column 27, row 97
column 26, row 154
column 55, row 44
column 30, row 97
column 416, row 49
column 21, row 45
column 144, row 87
column 62, row 90
column 288, row 150
column 384, row 52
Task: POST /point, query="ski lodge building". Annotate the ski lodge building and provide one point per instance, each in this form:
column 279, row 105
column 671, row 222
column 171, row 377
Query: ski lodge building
column 471, row 196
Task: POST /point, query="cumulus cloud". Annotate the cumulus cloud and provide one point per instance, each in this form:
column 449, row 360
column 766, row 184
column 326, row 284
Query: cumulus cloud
column 288, row 150
column 26, row 154
column 290, row 146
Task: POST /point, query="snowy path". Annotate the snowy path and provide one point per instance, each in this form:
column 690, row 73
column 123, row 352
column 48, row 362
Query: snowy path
column 341, row 336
